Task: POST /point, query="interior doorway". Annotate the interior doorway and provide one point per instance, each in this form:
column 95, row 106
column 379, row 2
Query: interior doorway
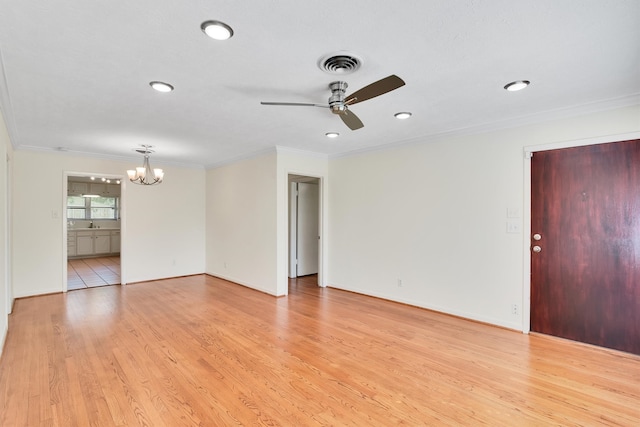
column 304, row 226
column 92, row 230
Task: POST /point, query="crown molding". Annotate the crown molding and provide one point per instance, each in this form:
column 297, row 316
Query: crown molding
column 530, row 119
column 135, row 158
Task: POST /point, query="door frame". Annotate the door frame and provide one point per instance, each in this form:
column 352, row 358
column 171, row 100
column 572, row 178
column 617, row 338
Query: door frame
column 8, row 224
column 65, row 181
column 293, row 226
column 322, row 226
column 293, row 222
column 529, row 151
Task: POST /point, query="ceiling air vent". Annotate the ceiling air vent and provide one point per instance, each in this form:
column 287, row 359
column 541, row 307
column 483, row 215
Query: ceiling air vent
column 339, row 63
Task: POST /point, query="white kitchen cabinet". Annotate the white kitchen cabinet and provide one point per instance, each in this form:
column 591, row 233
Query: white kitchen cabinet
column 71, row 243
column 98, row 188
column 89, row 243
column 112, row 190
column 77, row 188
column 84, row 243
column 101, row 242
column 106, row 190
column 115, row 241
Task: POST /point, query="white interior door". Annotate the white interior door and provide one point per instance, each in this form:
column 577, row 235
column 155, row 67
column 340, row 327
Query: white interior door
column 308, row 226
column 293, row 229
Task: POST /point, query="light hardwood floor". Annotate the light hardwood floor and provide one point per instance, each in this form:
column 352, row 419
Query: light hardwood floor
column 202, row 351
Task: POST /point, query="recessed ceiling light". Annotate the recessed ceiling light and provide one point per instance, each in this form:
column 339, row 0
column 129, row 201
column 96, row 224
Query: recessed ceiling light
column 217, row 30
column 161, row 86
column 517, row 85
column 332, row 134
column 403, row 115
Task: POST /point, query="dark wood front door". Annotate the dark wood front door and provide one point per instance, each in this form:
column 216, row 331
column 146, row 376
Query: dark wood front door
column 585, row 279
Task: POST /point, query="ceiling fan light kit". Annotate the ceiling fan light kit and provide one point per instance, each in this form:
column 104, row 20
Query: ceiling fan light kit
column 332, row 134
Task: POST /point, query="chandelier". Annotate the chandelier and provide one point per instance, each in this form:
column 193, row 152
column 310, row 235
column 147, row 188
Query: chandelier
column 144, row 175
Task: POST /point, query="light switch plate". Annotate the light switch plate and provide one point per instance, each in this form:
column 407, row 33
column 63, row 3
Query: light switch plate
column 513, row 212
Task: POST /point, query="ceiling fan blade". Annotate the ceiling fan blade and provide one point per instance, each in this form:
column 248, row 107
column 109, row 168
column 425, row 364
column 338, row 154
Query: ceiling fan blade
column 351, row 120
column 375, row 89
column 294, row 104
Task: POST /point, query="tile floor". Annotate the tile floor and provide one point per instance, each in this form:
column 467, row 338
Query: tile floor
column 92, row 272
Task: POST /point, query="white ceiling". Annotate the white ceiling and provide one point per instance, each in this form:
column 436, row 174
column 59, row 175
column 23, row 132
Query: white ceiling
column 76, row 72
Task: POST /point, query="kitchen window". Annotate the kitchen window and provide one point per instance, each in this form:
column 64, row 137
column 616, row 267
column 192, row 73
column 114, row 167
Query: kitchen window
column 92, row 207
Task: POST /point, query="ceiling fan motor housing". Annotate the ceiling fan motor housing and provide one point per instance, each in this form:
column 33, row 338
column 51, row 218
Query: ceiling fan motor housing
column 339, row 103
column 336, row 100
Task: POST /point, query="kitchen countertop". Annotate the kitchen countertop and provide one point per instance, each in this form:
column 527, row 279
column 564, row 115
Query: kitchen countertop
column 91, row 229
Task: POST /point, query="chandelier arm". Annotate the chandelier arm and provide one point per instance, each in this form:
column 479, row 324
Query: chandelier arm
column 145, row 175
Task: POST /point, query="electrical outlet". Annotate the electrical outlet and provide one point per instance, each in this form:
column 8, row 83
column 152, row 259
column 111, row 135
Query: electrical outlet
column 515, row 310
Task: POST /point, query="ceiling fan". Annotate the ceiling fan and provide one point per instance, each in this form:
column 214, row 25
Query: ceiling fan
column 339, row 103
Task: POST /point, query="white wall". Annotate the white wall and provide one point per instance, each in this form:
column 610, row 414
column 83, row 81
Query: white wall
column 434, row 214
column 162, row 228
column 5, row 293
column 241, row 222
column 247, row 217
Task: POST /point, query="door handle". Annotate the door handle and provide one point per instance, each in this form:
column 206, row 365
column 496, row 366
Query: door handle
column 537, row 249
